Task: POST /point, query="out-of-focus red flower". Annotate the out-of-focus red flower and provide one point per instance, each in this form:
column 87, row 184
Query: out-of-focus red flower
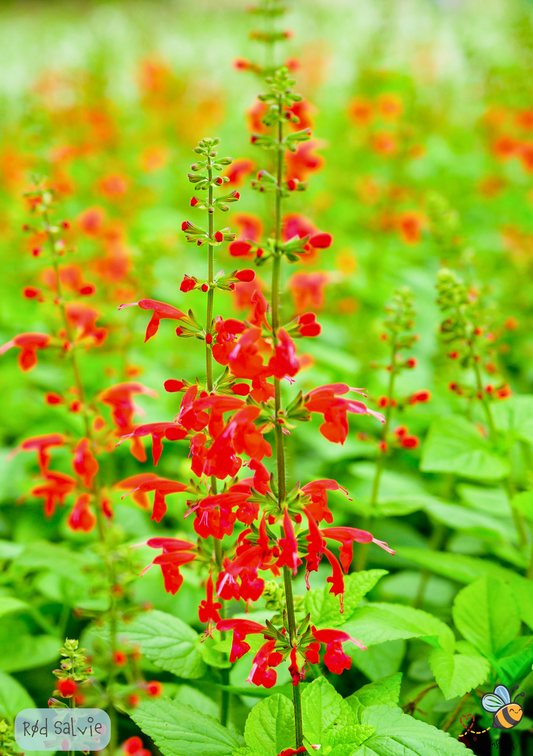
column 154, row 158
column 302, row 110
column 238, row 170
column 410, row 225
column 41, row 444
column 83, row 462
column 67, row 687
column 384, row 143
column 114, row 185
column 83, row 318
column 54, row 490
column 505, row 147
column 304, row 162
column 120, row 399
column 91, row 221
column 410, row 442
column 254, row 118
column 82, row 517
column 390, row 107
column 71, row 276
column 307, row 289
column 154, row 689
column 420, row 397
column 360, row 111
column 28, row 343
column 250, row 230
column 525, row 153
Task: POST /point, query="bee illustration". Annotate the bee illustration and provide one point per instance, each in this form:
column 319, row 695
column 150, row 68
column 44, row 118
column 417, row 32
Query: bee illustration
column 507, row 713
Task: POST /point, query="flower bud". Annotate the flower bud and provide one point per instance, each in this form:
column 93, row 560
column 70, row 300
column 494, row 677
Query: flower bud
column 172, row 385
column 219, row 236
column 245, row 275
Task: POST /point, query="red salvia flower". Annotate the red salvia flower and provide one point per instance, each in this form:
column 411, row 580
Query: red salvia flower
column 288, row 546
column 160, row 311
column 81, row 517
column 55, row 489
column 244, row 360
column 335, row 659
column 241, row 629
column 317, row 491
column 307, row 325
column 326, row 401
column 227, row 332
column 28, row 343
column 175, row 554
column 208, row 611
column 162, row 488
column 41, row 444
column 284, row 363
column 83, row 463
column 238, row 170
column 132, row 485
column 158, row 431
column 259, row 310
column 119, row 398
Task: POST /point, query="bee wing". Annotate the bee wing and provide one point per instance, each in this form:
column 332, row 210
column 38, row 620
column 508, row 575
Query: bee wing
column 492, row 702
column 503, row 693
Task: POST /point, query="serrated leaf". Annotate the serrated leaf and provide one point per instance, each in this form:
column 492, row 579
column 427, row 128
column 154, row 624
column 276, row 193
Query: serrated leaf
column 269, row 727
column 328, row 720
column 379, row 622
column 518, row 659
column 397, row 734
column 487, row 615
column 382, row 692
column 13, row 697
column 180, row 730
column 166, row 641
column 324, row 607
column 457, row 674
column 454, row 445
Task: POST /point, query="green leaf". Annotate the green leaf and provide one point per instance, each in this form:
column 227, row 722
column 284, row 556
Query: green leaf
column 269, row 727
column 380, row 661
column 493, row 501
column 9, row 605
column 166, row 641
column 518, row 658
column 454, row 445
column 44, row 555
column 384, row 691
column 179, row 730
column 487, row 615
column 328, row 720
column 471, row 520
column 324, row 607
column 19, row 650
column 397, row 734
column 379, row 622
column 514, row 417
column 13, row 697
column 457, row 674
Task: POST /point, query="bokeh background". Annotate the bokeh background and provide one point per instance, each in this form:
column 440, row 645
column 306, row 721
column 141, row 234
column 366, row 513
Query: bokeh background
column 422, row 157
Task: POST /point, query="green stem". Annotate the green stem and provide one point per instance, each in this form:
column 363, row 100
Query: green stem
column 362, row 553
column 280, row 446
column 507, row 483
column 224, row 694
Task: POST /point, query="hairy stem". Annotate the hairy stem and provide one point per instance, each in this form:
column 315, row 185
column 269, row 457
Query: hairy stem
column 280, row 446
column 362, row 554
column 224, row 694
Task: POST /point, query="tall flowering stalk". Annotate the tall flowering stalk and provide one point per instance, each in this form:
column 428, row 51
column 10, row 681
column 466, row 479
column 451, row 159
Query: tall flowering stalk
column 76, row 331
column 227, row 418
column 398, row 334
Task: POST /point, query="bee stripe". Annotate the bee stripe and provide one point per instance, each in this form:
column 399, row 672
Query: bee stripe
column 505, row 719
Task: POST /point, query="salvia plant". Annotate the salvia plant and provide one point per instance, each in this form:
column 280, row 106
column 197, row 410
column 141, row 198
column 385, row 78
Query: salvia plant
column 278, row 629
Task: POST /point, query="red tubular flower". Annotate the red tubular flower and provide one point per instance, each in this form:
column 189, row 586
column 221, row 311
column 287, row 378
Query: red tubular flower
column 244, row 435
column 420, row 397
column 28, row 343
column 67, row 687
column 162, row 488
column 260, row 308
column 227, row 332
column 283, row 362
column 83, row 463
column 214, row 516
column 410, row 442
column 83, row 319
column 172, row 385
column 261, row 480
column 188, row 283
column 41, row 444
column 318, row 507
column 160, row 312
column 132, row 485
column 289, row 546
column 175, row 554
column 56, row 487
column 302, row 163
column 307, row 289
column 158, row 431
column 244, row 360
column 119, row 398
column 266, row 658
column 334, row 408
column 335, row 659
column 238, row 170
column 307, row 325
column 208, row 611
column 81, row 517
column 347, row 536
column 241, row 629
